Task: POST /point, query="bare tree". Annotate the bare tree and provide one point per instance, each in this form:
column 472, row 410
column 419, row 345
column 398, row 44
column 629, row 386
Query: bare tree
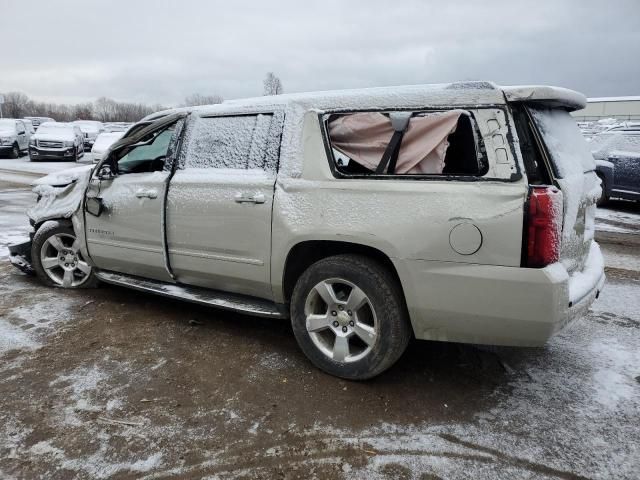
column 15, row 105
column 83, row 111
column 18, row 105
column 199, row 99
column 272, row 85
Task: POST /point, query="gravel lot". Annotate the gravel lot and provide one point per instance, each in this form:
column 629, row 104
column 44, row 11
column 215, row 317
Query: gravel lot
column 112, row 383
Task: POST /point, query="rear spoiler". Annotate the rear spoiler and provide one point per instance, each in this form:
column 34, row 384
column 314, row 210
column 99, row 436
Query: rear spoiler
column 553, row 97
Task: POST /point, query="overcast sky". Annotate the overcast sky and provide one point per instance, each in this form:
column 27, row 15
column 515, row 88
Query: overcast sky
column 161, row 51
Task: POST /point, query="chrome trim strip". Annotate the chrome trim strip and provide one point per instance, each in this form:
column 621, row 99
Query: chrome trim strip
column 213, row 256
column 124, row 245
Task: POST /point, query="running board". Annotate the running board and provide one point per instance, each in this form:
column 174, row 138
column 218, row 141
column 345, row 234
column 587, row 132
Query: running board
column 203, row 296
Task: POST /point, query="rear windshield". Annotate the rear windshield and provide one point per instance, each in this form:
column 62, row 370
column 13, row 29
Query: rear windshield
column 569, row 152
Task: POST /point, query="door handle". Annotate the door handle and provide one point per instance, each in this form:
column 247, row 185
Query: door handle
column 142, row 193
column 248, row 198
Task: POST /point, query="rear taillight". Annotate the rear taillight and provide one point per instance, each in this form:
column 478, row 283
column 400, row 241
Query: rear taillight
column 543, row 226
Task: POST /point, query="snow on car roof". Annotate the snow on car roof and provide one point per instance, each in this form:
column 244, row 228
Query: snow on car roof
column 408, row 96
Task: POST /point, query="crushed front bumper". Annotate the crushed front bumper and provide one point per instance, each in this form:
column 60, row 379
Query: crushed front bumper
column 20, row 256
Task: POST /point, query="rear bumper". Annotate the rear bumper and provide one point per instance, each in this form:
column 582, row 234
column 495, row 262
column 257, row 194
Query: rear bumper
column 497, row 305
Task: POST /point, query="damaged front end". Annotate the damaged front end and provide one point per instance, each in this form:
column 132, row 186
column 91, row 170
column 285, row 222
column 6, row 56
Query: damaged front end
column 59, row 197
column 20, row 256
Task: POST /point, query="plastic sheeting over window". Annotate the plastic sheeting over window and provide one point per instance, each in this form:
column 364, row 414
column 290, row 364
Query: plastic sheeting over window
column 363, row 138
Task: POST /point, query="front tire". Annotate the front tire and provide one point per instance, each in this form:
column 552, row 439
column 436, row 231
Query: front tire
column 57, row 260
column 15, row 151
column 349, row 317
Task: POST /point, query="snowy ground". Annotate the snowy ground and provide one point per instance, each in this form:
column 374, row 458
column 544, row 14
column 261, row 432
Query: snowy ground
column 619, row 216
column 111, row 383
column 22, row 170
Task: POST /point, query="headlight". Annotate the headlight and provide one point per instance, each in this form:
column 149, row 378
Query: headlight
column 7, row 140
column 68, row 144
column 32, row 142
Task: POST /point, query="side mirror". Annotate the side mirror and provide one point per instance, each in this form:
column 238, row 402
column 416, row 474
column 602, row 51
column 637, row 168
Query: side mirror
column 105, row 172
column 94, row 206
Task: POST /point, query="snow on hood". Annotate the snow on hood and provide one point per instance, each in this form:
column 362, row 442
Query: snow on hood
column 7, row 133
column 63, row 135
column 56, row 201
column 64, row 177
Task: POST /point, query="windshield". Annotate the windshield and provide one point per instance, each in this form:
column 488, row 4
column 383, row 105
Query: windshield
column 55, row 129
column 569, row 152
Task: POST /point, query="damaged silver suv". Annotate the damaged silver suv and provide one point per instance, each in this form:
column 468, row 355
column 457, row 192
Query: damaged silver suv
column 461, row 212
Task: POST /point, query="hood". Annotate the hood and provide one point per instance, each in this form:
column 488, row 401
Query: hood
column 61, row 136
column 64, row 177
column 7, row 133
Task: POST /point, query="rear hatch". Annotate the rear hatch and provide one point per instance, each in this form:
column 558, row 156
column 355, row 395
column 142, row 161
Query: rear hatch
column 572, row 169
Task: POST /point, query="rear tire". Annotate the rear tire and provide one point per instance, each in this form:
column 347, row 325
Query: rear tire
column 349, row 317
column 57, row 260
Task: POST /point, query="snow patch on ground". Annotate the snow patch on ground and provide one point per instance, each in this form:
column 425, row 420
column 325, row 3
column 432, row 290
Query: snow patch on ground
column 26, row 326
column 617, row 221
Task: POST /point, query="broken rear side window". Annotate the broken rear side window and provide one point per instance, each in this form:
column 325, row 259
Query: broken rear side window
column 405, row 143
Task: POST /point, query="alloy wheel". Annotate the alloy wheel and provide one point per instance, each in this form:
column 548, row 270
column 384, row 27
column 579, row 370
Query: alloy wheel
column 340, row 320
column 62, row 261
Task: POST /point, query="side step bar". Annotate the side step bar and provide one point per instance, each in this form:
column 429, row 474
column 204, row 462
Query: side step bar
column 212, row 298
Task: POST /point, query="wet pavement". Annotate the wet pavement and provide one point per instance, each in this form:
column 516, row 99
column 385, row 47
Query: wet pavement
column 112, row 383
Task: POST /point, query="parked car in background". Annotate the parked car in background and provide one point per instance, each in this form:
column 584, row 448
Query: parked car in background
column 103, row 142
column 365, row 216
column 117, row 126
column 14, row 137
column 29, row 126
column 37, row 121
column 91, row 129
column 57, row 141
column 617, row 154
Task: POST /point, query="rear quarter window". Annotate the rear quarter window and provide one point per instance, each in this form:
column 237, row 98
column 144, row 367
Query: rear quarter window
column 405, row 143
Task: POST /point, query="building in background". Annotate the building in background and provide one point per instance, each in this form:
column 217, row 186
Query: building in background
column 620, row 108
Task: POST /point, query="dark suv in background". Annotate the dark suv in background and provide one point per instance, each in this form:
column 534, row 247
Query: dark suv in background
column 617, row 154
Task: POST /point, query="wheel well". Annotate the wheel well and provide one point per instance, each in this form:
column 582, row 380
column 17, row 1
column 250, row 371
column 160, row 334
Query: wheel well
column 63, row 221
column 304, row 254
